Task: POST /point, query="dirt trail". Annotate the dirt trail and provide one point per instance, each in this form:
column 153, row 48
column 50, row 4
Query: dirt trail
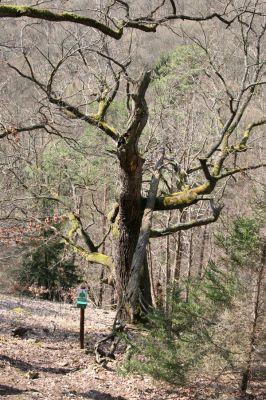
column 50, row 351
column 48, row 364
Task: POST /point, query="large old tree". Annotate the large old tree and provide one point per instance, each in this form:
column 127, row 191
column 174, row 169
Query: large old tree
column 93, row 48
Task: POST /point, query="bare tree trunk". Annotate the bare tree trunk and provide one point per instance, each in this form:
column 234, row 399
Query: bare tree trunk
column 179, row 253
column 253, row 336
column 178, row 260
column 145, row 286
column 190, row 261
column 168, row 267
column 150, row 265
column 100, row 297
column 113, row 298
column 202, row 251
column 104, row 229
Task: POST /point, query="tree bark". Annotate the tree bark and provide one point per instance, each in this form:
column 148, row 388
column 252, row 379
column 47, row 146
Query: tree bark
column 129, row 227
column 130, row 196
column 135, row 299
column 145, row 286
column 168, row 269
column 151, row 274
column 179, row 253
column 190, row 261
column 202, row 251
column 253, row 335
column 104, row 229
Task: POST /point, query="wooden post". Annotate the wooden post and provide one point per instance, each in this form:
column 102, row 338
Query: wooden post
column 82, row 293
column 81, row 330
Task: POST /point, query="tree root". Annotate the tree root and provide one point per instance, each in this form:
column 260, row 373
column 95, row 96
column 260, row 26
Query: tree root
column 105, row 355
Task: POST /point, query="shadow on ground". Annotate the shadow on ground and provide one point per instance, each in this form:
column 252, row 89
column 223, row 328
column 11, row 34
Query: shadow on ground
column 24, row 366
column 11, row 391
column 96, row 395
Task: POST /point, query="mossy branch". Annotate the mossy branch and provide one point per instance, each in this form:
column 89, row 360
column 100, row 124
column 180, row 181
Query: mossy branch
column 93, row 119
column 226, row 149
column 94, row 257
column 242, row 146
column 107, row 96
column 185, row 198
column 111, row 216
column 77, row 227
column 149, row 25
column 218, row 163
column 15, row 11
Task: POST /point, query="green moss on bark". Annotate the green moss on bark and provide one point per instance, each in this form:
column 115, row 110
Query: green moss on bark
column 40, row 13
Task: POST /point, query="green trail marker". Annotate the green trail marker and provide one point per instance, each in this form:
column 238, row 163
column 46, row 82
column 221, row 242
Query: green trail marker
column 82, row 302
column 82, row 298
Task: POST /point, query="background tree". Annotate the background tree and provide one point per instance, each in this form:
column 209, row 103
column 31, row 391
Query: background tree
column 80, row 76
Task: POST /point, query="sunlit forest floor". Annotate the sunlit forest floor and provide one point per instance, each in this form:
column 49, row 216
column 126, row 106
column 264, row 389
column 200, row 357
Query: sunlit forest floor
column 47, row 362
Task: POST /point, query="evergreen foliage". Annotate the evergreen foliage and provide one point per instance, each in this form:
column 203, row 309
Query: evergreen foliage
column 47, row 267
column 179, row 69
column 242, row 244
column 177, row 342
column 203, row 325
column 62, row 166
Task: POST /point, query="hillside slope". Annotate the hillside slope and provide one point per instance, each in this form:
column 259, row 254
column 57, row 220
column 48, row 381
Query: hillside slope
column 48, row 364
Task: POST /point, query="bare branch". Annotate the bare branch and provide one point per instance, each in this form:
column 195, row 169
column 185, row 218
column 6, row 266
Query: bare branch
column 239, row 170
column 173, row 6
column 96, row 120
column 13, row 130
column 216, row 210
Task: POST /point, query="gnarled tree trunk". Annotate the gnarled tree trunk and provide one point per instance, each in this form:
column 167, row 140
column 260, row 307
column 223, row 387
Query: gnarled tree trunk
column 129, row 224
column 130, row 212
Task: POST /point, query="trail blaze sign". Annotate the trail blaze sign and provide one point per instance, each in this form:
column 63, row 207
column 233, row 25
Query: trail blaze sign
column 82, row 294
column 82, row 298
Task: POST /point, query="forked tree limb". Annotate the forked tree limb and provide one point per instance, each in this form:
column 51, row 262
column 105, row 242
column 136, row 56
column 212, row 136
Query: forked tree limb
column 92, row 119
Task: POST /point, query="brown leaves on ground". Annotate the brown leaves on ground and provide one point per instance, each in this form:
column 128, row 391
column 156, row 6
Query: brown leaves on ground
column 46, row 362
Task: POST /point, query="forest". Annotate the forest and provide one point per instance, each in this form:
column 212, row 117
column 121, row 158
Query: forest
column 132, row 156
